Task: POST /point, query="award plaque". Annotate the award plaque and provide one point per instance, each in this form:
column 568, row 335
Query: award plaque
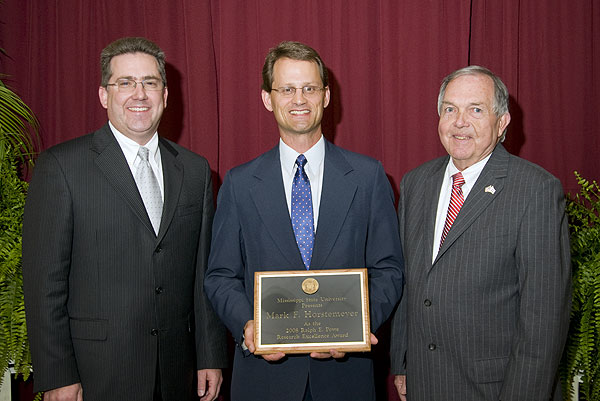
column 314, row 310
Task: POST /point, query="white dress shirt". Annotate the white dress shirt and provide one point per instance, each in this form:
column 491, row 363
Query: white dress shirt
column 470, row 175
column 315, row 158
column 130, row 150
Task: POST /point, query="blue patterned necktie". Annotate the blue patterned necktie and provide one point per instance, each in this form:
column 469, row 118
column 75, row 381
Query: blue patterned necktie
column 302, row 212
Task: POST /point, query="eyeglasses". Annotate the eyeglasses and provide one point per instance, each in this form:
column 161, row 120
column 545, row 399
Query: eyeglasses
column 289, row 91
column 129, row 85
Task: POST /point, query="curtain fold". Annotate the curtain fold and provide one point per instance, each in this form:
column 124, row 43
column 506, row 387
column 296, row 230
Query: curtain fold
column 386, row 60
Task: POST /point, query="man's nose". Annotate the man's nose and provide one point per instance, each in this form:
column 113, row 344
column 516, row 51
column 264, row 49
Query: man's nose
column 461, row 120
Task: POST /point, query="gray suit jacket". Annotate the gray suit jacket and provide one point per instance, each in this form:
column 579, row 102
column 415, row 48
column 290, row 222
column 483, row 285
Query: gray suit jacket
column 488, row 319
column 252, row 232
column 106, row 299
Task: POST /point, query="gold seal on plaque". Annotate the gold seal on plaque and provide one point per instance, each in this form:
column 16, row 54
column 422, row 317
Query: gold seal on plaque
column 310, row 286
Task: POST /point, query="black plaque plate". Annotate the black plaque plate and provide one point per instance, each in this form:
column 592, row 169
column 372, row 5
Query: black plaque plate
column 315, row 310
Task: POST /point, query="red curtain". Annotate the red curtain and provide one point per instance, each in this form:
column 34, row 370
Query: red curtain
column 386, row 60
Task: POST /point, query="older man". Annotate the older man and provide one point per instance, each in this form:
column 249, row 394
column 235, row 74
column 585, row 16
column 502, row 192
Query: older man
column 486, row 249
column 115, row 244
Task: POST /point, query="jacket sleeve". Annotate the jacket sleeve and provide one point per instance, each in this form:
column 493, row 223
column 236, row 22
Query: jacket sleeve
column 224, row 282
column 383, row 252
column 211, row 345
column 399, row 339
column 544, row 271
column 47, row 241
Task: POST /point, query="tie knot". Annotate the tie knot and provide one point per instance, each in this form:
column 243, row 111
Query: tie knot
column 301, row 161
column 143, row 153
column 458, row 180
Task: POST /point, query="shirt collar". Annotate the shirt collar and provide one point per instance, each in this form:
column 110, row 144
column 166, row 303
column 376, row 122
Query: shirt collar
column 314, row 156
column 130, row 147
column 471, row 173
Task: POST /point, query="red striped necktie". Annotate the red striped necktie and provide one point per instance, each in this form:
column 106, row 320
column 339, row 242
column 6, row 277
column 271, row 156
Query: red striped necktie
column 456, row 201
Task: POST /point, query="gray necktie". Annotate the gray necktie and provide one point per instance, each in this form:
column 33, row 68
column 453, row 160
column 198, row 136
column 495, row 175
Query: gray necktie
column 149, row 190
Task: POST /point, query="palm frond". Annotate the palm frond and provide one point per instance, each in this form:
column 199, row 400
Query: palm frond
column 18, row 126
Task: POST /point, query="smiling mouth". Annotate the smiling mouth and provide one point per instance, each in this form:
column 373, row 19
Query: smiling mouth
column 299, row 112
column 461, row 137
column 138, row 108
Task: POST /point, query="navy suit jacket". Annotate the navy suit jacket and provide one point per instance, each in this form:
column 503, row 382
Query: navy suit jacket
column 252, row 232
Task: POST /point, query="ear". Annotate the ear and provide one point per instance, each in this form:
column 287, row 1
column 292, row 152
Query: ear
column 327, row 97
column 103, row 95
column 503, row 123
column 165, row 95
column 266, row 98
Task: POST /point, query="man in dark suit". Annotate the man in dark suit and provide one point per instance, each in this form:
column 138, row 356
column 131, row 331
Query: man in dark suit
column 115, row 243
column 486, row 248
column 351, row 223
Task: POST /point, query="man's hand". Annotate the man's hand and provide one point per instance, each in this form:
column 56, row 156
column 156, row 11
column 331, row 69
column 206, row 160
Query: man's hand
column 249, row 341
column 400, row 383
column 337, row 354
column 209, row 384
column 73, row 392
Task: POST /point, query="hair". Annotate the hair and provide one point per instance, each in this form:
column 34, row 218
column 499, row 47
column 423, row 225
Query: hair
column 500, row 105
column 294, row 51
column 127, row 46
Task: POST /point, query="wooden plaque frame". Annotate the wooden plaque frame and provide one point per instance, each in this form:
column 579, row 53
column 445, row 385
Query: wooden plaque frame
column 313, row 310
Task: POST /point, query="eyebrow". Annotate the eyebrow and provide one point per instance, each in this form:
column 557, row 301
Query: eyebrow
column 445, row 102
column 142, row 78
column 289, row 84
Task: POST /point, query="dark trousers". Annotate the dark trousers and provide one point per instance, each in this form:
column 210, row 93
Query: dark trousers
column 307, row 394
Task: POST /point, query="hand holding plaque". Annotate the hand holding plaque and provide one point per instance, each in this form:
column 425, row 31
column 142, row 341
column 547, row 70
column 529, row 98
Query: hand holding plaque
column 249, row 342
column 323, row 312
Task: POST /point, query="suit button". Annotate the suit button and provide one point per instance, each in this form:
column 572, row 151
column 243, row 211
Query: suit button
column 427, row 302
column 158, row 249
column 154, row 332
column 432, row 347
column 158, row 290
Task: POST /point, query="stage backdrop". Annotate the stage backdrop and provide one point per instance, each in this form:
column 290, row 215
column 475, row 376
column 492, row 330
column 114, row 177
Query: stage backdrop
column 386, row 60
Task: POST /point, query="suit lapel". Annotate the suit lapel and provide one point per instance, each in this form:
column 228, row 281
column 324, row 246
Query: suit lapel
column 337, row 194
column 112, row 163
column 173, row 180
column 268, row 195
column 479, row 198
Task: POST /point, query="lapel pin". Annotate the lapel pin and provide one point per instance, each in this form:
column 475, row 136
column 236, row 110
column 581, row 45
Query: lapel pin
column 490, row 189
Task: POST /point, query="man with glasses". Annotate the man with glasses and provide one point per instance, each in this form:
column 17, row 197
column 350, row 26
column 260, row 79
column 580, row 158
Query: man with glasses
column 305, row 204
column 115, row 243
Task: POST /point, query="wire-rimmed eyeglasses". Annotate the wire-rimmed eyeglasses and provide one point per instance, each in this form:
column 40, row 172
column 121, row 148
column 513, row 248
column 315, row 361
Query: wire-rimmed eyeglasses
column 289, row 91
column 129, row 85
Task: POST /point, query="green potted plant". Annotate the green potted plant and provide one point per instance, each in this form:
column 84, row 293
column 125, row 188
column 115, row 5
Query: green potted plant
column 581, row 359
column 18, row 129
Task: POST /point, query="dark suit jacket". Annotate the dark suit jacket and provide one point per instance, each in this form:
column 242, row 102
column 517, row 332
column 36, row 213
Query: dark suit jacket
column 253, row 232
column 105, row 297
column 488, row 319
